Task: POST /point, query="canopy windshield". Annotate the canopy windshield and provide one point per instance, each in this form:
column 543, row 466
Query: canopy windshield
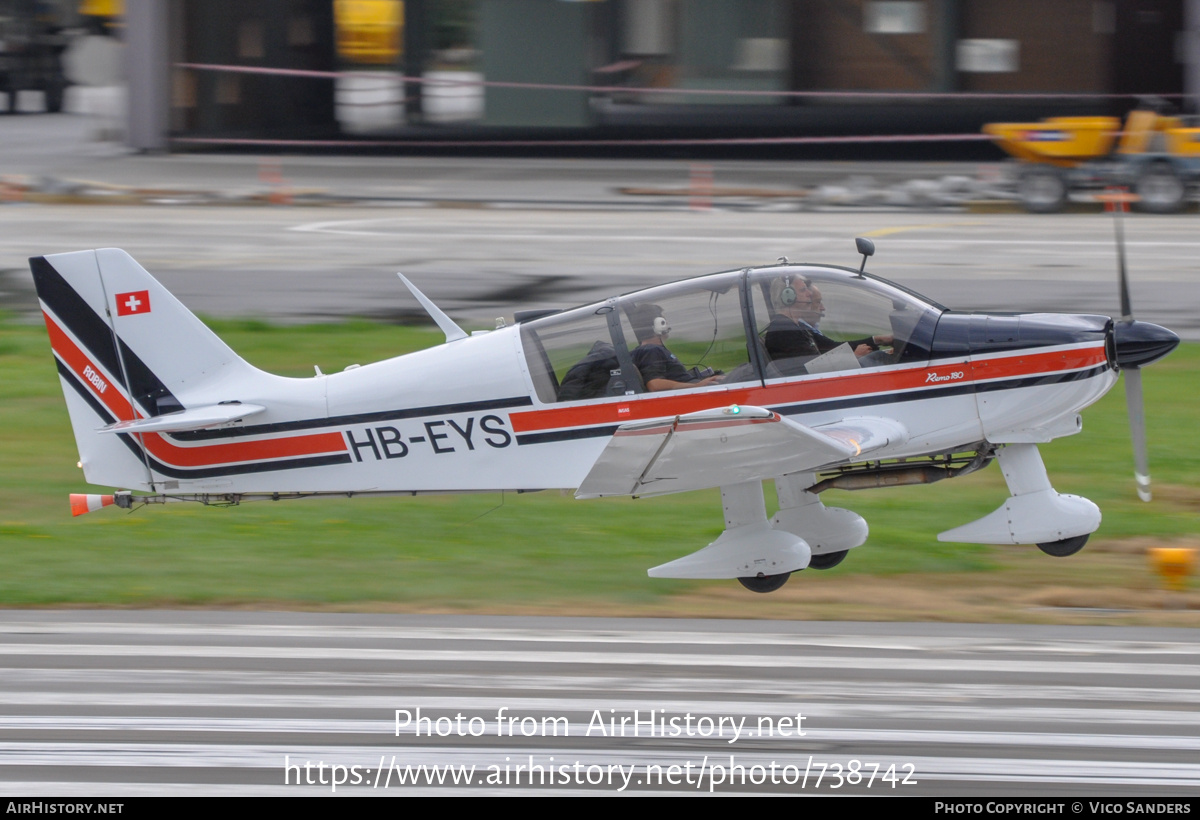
column 817, row 320
column 725, row 330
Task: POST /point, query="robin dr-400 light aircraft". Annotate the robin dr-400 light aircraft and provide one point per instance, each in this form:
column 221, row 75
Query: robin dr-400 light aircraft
column 814, row 376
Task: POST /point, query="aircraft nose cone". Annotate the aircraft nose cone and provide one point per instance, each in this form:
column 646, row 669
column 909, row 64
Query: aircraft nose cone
column 1140, row 343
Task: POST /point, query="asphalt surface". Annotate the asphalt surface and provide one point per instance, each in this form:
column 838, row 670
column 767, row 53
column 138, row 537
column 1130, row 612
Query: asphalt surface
column 295, row 264
column 64, row 153
column 98, row 704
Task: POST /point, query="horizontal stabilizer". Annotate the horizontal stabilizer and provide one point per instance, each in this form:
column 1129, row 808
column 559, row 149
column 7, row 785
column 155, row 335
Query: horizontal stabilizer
column 724, row 446
column 195, row 418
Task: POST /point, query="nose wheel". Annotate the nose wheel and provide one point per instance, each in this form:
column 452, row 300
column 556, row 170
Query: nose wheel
column 764, row 583
column 1065, row 547
column 827, row 560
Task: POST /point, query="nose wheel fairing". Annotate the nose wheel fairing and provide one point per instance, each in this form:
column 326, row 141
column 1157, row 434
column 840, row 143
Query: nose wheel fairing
column 1035, row 513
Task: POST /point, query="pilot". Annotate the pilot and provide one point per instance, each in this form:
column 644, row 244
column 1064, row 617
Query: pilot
column 659, row 368
column 793, row 336
column 788, row 337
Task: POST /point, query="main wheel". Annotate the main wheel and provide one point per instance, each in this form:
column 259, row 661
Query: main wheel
column 1043, row 189
column 1161, row 190
column 827, row 560
column 1065, row 547
column 764, row 583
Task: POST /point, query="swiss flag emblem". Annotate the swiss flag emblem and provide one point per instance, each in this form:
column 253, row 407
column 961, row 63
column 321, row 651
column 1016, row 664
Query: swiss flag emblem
column 130, row 303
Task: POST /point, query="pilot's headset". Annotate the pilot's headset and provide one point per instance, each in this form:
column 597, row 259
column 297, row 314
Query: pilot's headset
column 783, row 291
column 648, row 321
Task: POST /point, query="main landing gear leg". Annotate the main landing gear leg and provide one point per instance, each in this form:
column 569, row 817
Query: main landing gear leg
column 829, row 531
column 750, row 550
column 1035, row 514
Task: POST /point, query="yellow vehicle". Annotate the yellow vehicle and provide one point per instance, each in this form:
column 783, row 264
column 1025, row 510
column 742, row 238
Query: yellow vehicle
column 102, row 8
column 1157, row 156
column 102, row 16
column 369, row 31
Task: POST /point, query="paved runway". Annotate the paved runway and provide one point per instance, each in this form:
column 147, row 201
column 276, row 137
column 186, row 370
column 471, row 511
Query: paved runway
column 301, row 264
column 124, row 703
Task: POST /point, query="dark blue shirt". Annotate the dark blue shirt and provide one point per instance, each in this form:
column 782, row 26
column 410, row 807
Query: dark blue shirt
column 656, row 362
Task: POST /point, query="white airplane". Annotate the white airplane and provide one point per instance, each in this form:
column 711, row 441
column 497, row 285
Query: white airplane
column 818, row 377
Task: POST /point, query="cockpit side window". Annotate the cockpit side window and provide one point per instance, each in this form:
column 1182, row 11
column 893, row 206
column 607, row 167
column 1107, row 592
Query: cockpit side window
column 689, row 334
column 571, row 356
column 813, row 320
column 846, row 313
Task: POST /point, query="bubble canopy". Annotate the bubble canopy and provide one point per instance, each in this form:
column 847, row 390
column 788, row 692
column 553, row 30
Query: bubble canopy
column 746, row 326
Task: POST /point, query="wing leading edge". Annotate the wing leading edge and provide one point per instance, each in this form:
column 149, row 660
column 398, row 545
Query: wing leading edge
column 725, row 446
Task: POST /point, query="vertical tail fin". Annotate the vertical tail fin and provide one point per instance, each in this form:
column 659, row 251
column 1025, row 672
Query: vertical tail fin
column 126, row 349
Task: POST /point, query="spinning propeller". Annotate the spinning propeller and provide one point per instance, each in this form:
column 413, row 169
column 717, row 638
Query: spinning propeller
column 1134, row 345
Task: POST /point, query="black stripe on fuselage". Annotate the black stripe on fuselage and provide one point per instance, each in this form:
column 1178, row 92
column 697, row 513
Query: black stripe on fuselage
column 193, row 472
column 938, row 392
column 850, row 403
column 245, row 468
column 566, row 435
column 98, row 339
column 1045, row 378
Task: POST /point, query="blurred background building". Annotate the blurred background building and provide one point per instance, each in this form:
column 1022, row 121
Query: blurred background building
column 454, row 70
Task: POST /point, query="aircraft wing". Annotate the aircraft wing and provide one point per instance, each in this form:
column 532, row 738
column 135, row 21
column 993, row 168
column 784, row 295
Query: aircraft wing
column 194, row 418
column 723, row 446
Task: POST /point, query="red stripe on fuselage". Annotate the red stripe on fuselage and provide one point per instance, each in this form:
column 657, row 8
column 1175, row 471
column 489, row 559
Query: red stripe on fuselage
column 806, row 389
column 202, row 455
column 688, row 425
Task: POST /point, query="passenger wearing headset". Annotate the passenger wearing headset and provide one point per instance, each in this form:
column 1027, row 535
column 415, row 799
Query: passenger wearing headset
column 659, row 368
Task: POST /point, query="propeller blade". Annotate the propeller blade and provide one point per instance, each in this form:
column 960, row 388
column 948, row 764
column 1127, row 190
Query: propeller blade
column 1117, row 200
column 1126, row 306
column 1137, row 430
